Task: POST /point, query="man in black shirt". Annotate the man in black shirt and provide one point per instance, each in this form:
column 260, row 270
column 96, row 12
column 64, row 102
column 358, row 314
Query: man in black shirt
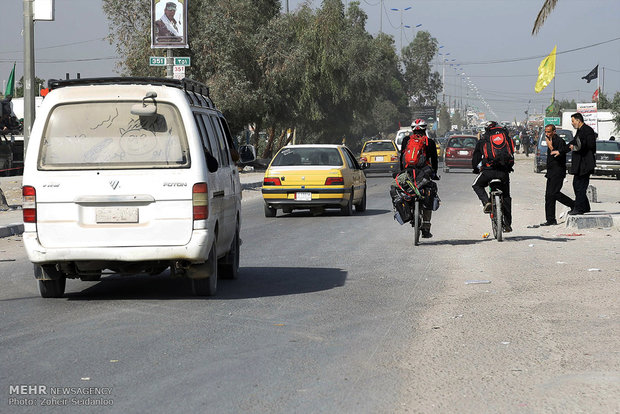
column 583, row 162
column 556, row 172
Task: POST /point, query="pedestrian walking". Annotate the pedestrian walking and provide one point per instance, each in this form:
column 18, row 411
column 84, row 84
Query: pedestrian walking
column 526, row 143
column 556, row 172
column 583, row 146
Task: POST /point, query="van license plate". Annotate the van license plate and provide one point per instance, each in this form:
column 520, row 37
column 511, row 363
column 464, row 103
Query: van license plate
column 303, row 196
column 378, row 158
column 116, row 214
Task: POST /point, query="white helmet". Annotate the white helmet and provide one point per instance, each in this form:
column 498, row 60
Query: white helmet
column 419, row 125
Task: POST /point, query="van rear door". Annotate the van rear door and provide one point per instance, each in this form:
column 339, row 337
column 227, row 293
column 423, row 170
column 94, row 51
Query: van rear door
column 108, row 178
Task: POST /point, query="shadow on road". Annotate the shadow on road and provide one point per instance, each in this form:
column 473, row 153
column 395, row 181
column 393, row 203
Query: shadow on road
column 464, row 242
column 256, row 282
column 332, row 213
column 253, row 282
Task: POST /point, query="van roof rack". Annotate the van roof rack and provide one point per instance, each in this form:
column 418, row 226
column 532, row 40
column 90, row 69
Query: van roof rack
column 197, row 93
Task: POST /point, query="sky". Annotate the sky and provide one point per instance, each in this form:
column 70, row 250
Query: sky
column 475, row 33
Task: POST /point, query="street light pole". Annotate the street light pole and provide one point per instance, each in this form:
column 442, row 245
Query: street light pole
column 29, row 106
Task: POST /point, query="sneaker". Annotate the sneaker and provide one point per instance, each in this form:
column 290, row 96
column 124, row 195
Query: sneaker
column 426, row 234
column 487, row 208
column 507, row 228
column 549, row 223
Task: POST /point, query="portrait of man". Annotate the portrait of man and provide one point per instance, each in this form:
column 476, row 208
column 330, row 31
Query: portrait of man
column 169, row 28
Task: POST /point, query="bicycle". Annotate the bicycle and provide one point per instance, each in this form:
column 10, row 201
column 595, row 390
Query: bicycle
column 497, row 216
column 407, row 208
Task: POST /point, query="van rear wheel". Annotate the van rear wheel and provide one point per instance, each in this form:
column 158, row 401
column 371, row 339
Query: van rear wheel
column 206, row 286
column 229, row 265
column 54, row 288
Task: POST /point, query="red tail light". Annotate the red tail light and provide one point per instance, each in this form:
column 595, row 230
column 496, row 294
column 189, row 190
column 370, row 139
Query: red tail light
column 394, row 158
column 29, row 204
column 334, row 181
column 200, row 201
column 617, row 158
column 272, row 181
column 363, row 159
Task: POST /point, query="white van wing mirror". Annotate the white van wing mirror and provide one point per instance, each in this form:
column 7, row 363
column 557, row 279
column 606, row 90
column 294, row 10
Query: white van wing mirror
column 247, row 153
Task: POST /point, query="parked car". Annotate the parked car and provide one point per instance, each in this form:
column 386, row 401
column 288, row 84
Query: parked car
column 459, row 152
column 381, row 156
column 540, row 157
column 314, row 177
column 608, row 158
column 131, row 175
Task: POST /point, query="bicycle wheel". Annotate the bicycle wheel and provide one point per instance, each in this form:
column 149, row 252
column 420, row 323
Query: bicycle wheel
column 417, row 223
column 498, row 227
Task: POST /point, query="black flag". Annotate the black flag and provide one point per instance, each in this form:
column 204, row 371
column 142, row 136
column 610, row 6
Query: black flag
column 592, row 75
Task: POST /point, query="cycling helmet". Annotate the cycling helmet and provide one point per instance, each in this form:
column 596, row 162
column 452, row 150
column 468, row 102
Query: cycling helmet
column 490, row 124
column 418, row 125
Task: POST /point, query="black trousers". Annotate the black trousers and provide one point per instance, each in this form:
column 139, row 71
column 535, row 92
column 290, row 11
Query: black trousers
column 580, row 186
column 554, row 193
column 482, row 181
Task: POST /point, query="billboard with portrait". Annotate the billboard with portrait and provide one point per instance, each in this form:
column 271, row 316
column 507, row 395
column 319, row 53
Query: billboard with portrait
column 169, row 23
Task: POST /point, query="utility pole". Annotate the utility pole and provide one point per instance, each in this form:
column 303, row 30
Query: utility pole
column 286, row 6
column 380, row 17
column 29, row 106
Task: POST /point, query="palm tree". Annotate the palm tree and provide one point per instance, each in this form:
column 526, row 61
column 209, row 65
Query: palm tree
column 544, row 12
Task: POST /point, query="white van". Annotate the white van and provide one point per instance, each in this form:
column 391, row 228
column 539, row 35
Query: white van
column 402, row 133
column 131, row 175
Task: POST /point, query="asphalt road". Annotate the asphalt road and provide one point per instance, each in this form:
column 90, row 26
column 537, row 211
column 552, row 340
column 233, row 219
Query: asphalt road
column 329, row 314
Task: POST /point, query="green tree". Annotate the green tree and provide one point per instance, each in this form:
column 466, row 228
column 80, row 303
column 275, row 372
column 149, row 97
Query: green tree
column 421, row 83
column 614, row 105
column 544, row 12
column 457, row 119
column 444, row 121
column 19, row 89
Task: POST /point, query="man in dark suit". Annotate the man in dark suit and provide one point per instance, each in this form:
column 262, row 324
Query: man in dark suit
column 583, row 162
column 556, row 172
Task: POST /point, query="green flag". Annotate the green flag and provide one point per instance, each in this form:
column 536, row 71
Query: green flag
column 10, row 86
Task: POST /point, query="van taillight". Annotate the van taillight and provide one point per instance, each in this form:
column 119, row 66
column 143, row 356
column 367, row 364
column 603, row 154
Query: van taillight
column 272, row 181
column 29, row 204
column 394, row 158
column 334, row 181
column 200, row 201
column 363, row 159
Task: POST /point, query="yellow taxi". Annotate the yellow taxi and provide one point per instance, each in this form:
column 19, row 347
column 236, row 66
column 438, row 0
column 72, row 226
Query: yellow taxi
column 381, row 156
column 314, row 177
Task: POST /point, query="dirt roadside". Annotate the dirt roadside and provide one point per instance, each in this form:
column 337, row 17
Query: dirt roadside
column 543, row 336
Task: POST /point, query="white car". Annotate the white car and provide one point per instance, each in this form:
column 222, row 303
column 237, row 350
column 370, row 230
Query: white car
column 130, row 175
column 402, row 133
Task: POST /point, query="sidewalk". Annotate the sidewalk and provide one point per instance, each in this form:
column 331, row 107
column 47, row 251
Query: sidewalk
column 11, row 221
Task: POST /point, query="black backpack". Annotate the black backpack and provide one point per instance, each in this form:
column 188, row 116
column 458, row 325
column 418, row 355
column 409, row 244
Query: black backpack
column 498, row 149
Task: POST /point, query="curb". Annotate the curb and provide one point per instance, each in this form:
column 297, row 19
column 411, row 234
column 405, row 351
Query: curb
column 11, row 230
column 590, row 222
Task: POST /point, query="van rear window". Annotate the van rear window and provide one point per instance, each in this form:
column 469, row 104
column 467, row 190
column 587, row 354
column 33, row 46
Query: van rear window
column 106, row 135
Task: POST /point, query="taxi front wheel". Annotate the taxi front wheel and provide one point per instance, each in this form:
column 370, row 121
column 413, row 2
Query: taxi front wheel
column 361, row 207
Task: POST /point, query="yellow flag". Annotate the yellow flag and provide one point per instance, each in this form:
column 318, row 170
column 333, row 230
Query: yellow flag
column 546, row 71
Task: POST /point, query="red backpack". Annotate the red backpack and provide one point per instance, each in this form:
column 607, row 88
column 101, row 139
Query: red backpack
column 499, row 149
column 415, row 153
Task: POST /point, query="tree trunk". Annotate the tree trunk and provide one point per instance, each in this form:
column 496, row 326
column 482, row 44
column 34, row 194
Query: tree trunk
column 271, row 132
column 282, row 138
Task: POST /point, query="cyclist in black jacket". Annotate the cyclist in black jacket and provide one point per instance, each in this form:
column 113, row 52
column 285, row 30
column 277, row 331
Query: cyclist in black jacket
column 487, row 173
column 419, row 128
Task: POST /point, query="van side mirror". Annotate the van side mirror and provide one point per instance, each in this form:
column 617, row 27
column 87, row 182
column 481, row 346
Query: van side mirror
column 247, row 153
